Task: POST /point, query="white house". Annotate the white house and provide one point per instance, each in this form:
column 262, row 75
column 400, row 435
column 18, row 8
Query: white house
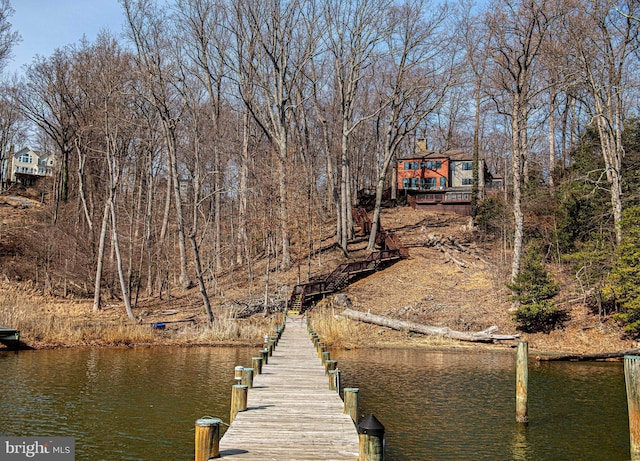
column 27, row 165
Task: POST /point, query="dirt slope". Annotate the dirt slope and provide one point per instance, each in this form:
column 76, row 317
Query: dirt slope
column 460, row 284
column 449, row 280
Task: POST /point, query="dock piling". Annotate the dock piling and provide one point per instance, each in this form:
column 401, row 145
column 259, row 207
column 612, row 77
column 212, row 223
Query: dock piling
column 371, row 439
column 238, row 400
column 522, row 382
column 330, row 365
column 352, row 403
column 238, row 373
column 632, row 383
column 334, row 380
column 207, row 438
column 247, row 377
column 256, row 363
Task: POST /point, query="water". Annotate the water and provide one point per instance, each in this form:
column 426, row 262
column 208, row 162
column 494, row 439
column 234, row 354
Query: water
column 141, row 404
column 119, row 404
column 461, row 406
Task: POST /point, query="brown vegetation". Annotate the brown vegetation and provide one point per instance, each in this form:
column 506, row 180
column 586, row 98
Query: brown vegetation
column 458, row 283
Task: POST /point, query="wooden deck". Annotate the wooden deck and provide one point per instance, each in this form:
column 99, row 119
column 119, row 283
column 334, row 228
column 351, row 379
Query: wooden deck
column 291, row 413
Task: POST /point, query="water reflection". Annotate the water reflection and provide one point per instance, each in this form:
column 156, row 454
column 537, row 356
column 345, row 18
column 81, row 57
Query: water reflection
column 141, row 404
column 520, row 447
column 461, row 406
column 136, row 404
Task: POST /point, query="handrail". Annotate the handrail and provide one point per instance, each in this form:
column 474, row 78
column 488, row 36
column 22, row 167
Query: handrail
column 392, row 248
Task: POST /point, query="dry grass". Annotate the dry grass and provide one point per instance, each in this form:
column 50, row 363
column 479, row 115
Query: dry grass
column 430, row 287
column 339, row 332
column 48, row 323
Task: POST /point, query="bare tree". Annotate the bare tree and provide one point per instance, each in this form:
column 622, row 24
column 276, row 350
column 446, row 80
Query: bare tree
column 519, row 28
column 8, row 38
column 201, row 24
column 419, row 71
column 604, row 35
column 476, row 39
column 11, row 130
column 355, row 28
column 47, row 99
column 274, row 57
column 148, row 29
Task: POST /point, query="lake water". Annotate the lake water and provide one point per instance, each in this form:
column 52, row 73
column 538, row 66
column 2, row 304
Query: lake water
column 142, row 403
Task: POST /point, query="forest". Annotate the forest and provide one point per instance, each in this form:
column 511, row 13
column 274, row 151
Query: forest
column 210, row 134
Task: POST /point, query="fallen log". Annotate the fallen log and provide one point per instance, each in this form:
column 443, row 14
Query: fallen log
column 587, row 357
column 485, row 336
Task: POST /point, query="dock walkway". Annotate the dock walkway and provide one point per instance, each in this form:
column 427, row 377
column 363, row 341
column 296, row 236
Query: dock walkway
column 291, row 413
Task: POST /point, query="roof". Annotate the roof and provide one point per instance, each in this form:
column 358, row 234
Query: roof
column 451, row 154
column 24, row 150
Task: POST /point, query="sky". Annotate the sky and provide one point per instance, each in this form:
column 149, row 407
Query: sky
column 46, row 25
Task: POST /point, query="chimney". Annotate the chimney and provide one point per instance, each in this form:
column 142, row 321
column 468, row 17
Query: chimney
column 421, row 144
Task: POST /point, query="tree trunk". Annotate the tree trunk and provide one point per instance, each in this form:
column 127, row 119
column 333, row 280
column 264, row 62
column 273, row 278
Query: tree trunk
column 116, row 245
column 518, row 126
column 170, row 135
column 242, row 244
column 100, row 258
column 485, row 336
column 284, row 215
column 552, row 137
column 475, row 187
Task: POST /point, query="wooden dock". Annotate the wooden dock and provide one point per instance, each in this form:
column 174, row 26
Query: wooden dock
column 291, row 413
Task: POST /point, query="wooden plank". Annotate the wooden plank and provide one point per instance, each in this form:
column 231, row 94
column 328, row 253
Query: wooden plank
column 291, row 413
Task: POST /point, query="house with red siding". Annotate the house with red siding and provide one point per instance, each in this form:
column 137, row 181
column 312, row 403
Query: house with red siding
column 440, row 180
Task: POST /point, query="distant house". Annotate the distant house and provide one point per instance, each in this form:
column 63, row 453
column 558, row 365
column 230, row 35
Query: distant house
column 27, row 166
column 440, row 180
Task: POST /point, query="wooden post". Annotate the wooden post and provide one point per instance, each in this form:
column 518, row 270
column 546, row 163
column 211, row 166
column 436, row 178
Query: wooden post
column 264, row 353
column 238, row 400
column 207, row 438
column 522, row 382
column 632, row 382
column 325, row 357
column 334, row 380
column 321, row 348
column 247, row 377
column 256, row 363
column 330, row 365
column 371, row 439
column 352, row 403
column 238, row 373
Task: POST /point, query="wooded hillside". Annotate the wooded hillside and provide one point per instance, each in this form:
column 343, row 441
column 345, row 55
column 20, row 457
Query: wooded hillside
column 215, row 134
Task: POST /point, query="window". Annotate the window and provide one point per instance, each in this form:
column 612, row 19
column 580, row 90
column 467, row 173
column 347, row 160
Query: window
column 25, row 158
column 410, row 183
column 431, row 165
column 458, row 196
column 427, row 183
column 467, row 181
column 467, row 166
column 411, row 165
column 443, row 182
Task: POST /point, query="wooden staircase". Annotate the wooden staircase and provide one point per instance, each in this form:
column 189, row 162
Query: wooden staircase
column 295, row 305
column 391, row 251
